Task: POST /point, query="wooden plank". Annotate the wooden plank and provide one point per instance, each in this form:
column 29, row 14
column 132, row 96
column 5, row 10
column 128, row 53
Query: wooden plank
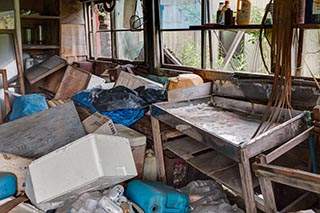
column 41, row 133
column 246, row 182
column 288, row 146
column 267, row 191
column 185, row 147
column 268, row 196
column 290, row 181
column 300, row 53
column 292, row 173
column 190, row 92
column 168, row 134
column 275, row 136
column 19, row 64
column 17, row 166
column 50, row 83
column 229, row 177
column 5, row 87
column 49, row 66
column 74, row 80
column 211, row 162
column 158, row 149
column 133, row 81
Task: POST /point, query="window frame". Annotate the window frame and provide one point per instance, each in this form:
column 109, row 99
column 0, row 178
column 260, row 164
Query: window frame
column 91, row 30
column 205, row 4
column 161, row 45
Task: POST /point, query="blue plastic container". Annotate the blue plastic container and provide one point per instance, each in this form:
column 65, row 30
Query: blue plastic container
column 8, row 185
column 155, row 197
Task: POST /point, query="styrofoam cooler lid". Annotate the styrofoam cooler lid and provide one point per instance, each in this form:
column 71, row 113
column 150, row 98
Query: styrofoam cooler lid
column 135, row 138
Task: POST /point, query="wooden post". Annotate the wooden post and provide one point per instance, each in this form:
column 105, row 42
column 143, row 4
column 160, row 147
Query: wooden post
column 267, row 190
column 246, row 182
column 19, row 64
column 158, row 149
column 300, row 51
column 5, row 87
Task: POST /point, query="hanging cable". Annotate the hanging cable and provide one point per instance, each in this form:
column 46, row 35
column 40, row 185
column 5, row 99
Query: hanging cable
column 136, row 22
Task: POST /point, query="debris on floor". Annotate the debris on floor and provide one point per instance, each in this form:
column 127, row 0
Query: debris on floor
column 87, row 164
column 109, row 200
column 207, row 196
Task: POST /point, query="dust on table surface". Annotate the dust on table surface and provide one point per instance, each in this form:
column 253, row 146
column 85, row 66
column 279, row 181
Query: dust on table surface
column 234, row 127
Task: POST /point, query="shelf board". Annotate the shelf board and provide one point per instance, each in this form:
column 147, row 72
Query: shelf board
column 246, row 27
column 39, row 47
column 38, row 17
column 231, row 27
column 309, row 26
column 217, row 166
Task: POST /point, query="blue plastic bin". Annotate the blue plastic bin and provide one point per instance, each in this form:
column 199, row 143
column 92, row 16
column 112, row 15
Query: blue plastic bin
column 8, row 185
column 155, row 197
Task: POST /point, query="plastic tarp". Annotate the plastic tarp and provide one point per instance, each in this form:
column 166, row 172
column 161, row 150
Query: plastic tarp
column 27, row 105
column 121, row 104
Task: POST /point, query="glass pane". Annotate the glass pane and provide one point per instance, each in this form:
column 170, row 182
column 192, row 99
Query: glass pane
column 129, row 14
column 103, row 48
column 183, row 46
column 130, row 45
column 311, row 53
column 257, row 10
column 247, row 56
column 99, row 18
column 178, row 14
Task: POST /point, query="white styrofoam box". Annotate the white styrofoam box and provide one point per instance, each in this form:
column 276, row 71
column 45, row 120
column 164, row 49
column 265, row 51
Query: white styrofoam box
column 22, row 207
column 92, row 162
column 135, row 138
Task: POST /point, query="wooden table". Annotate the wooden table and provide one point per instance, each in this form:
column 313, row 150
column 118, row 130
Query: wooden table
column 224, row 128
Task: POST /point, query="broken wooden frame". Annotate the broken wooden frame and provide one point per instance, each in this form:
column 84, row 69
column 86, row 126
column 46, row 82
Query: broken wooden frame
column 238, row 153
column 292, row 177
column 5, row 85
column 18, row 58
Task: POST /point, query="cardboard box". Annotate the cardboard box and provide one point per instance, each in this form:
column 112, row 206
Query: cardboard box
column 93, row 162
column 99, row 124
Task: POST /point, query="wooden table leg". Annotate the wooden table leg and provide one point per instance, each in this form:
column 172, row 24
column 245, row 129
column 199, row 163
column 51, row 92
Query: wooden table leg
column 267, row 190
column 158, row 149
column 5, row 87
column 246, row 182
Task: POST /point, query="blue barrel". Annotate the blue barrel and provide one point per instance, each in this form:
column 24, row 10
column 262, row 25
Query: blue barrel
column 156, row 197
column 8, row 185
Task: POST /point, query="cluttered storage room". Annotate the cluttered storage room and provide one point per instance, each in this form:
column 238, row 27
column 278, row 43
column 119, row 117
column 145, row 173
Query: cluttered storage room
column 159, row 106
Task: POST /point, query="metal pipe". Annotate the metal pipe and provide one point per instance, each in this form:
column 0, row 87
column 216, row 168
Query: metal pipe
column 313, row 154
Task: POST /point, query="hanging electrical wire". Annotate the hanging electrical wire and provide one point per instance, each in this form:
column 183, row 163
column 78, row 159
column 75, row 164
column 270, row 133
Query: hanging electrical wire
column 279, row 104
column 136, row 22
